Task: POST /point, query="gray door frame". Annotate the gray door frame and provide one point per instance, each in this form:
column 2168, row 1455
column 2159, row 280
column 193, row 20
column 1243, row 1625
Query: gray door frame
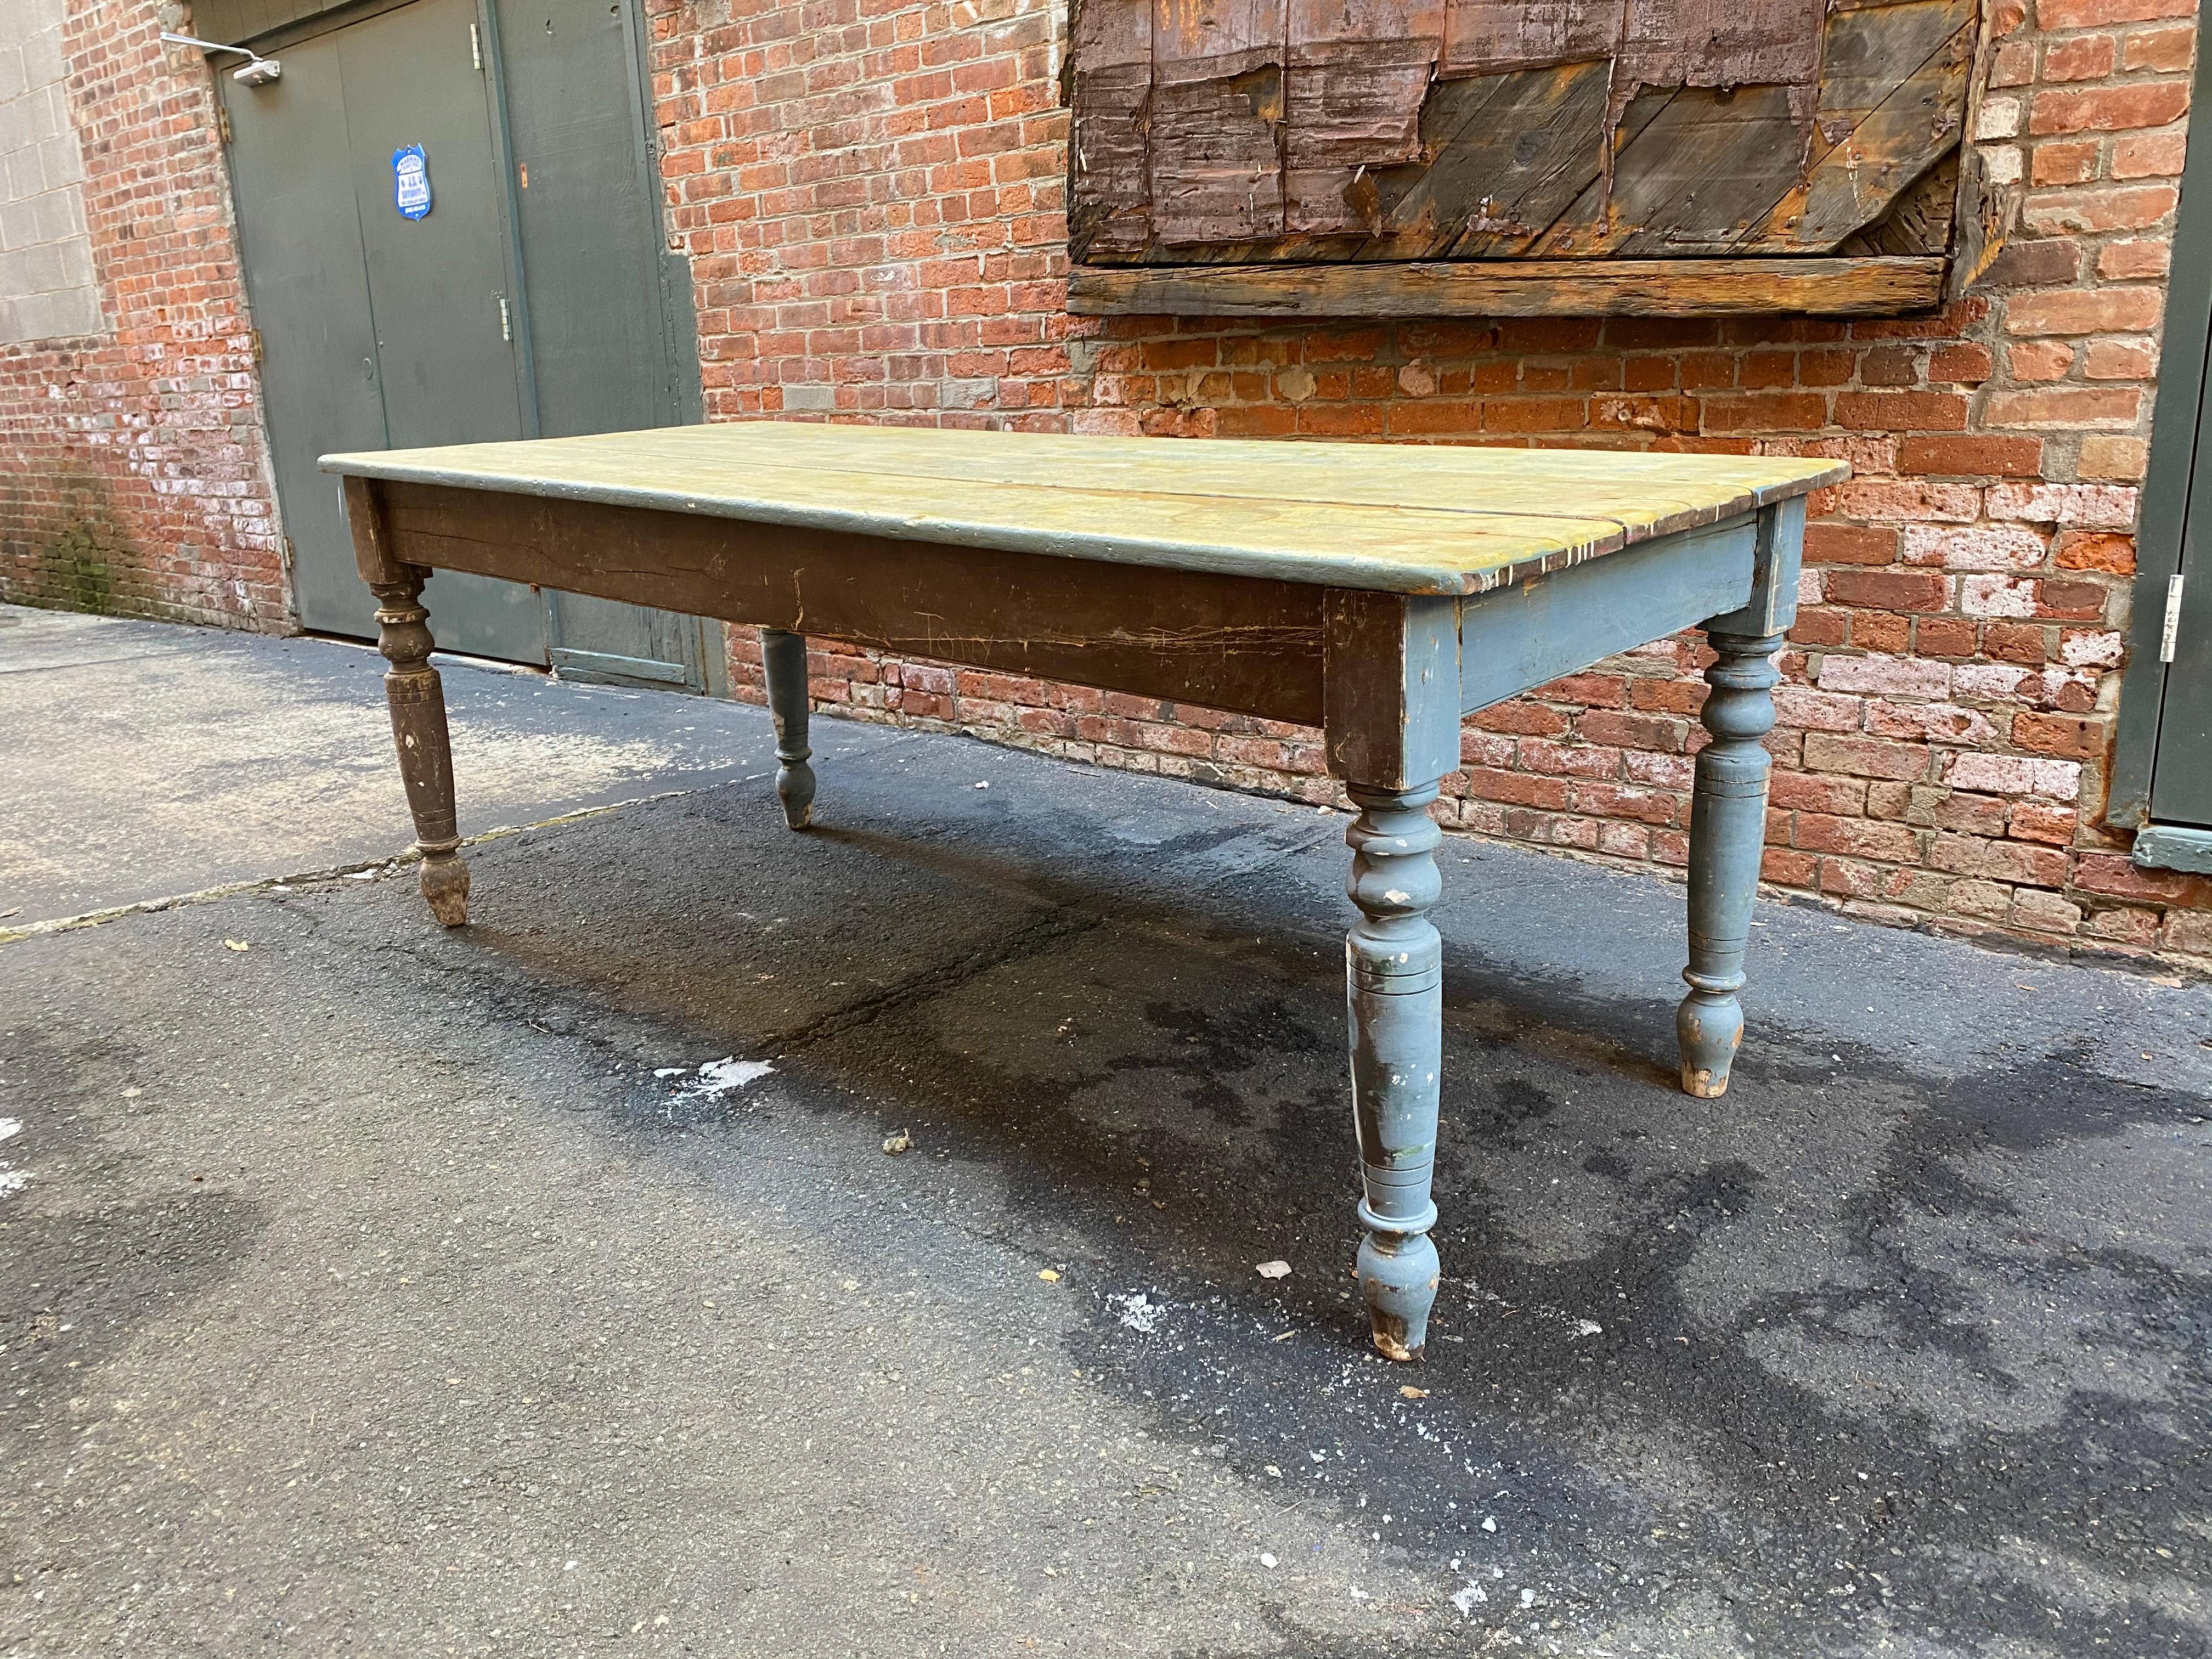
column 2177, row 452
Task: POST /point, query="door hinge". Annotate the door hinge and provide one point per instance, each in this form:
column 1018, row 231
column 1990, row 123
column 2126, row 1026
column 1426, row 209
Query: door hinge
column 291, row 556
column 476, row 49
column 221, row 123
column 253, row 337
column 506, row 322
column 2171, row 634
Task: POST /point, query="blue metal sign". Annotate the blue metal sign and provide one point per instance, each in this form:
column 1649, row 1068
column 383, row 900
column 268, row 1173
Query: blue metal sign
column 411, row 181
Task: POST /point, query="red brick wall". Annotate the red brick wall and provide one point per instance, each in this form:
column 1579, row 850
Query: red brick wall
column 871, row 194
column 133, row 476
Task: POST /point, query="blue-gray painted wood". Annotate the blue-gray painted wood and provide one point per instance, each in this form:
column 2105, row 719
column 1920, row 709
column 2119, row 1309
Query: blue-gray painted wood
column 783, row 660
column 1778, row 564
column 2170, row 846
column 1390, row 675
column 1391, row 695
column 599, row 665
column 1393, row 987
column 1518, row 638
column 1727, row 834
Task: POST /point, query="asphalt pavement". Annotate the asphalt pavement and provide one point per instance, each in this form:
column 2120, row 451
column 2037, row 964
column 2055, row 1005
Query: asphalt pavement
column 545, row 1287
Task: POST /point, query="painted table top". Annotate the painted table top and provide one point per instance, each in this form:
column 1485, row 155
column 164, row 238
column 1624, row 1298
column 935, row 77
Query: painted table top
column 1392, row 518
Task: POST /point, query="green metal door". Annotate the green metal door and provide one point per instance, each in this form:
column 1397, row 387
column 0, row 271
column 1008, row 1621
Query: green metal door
column 377, row 331
column 2181, row 776
column 601, row 347
column 310, row 295
column 438, row 287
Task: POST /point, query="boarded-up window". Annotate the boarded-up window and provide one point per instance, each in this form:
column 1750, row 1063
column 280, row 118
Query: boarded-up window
column 1235, row 131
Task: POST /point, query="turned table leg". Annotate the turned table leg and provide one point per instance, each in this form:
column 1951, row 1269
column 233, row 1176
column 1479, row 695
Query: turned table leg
column 783, row 658
column 1728, row 834
column 1394, row 983
column 418, row 700
column 1391, row 696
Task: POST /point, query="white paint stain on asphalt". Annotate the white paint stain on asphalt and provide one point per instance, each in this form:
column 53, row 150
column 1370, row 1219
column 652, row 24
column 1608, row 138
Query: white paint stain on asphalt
column 12, row 1180
column 1139, row 1311
column 719, row 1077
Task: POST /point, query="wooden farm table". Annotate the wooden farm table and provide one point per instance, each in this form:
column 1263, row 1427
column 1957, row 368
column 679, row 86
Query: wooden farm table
column 1377, row 592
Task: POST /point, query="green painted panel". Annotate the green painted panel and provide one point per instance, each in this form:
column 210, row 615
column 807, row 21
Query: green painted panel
column 438, row 287
column 589, row 228
column 230, row 21
column 2181, row 778
column 309, row 295
column 2173, row 515
column 2181, row 773
column 370, row 333
column 2163, row 846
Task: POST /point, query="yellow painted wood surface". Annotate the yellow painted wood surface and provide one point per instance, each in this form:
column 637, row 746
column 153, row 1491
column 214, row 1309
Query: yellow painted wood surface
column 1390, row 518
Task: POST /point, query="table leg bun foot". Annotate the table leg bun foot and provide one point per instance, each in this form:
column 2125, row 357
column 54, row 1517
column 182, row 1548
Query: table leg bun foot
column 445, row 881
column 1398, row 1274
column 783, row 664
column 1709, row 1026
column 795, row 788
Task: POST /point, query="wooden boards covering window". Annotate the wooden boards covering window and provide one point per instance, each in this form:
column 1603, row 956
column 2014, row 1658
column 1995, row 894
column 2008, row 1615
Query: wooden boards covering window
column 1229, row 132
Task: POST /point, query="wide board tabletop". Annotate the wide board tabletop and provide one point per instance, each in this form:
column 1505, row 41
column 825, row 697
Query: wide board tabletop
column 1393, row 518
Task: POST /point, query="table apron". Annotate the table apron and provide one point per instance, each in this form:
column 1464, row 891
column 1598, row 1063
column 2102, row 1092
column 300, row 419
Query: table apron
column 1235, row 643
column 1518, row 638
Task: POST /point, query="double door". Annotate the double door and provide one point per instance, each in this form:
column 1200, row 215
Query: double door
column 525, row 297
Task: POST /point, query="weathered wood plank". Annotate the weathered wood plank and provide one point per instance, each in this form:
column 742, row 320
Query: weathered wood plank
column 1644, row 492
column 1502, row 156
column 1918, row 222
column 1871, row 157
column 1215, row 117
column 1110, row 56
column 1828, row 287
column 1357, row 71
column 1986, row 207
column 1699, row 168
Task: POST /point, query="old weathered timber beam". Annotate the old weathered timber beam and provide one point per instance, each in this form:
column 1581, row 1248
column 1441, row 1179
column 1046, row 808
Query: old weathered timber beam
column 1823, row 286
